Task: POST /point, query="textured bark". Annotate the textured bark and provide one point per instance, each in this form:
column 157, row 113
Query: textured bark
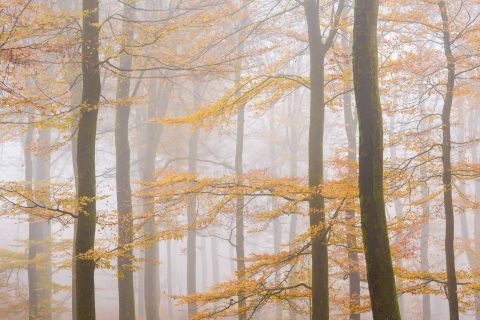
column 87, row 128
column 381, row 280
column 126, row 292
column 447, row 167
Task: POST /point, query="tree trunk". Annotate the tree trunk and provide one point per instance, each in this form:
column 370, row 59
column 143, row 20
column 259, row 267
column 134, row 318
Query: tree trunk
column 239, row 234
column 447, row 167
column 169, row 279
column 154, row 130
column 215, row 257
column 42, row 184
column 320, row 292
column 87, row 128
column 476, row 222
column 381, row 280
column 398, row 206
column 126, row 292
column 353, row 264
column 191, row 216
column 75, row 100
column 293, row 143
column 277, row 227
column 424, row 244
column 32, row 229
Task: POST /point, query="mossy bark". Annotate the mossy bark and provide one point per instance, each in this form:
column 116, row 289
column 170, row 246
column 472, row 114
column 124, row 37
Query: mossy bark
column 381, row 280
column 87, row 129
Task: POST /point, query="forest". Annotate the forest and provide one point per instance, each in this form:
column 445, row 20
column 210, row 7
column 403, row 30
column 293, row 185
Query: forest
column 240, row 159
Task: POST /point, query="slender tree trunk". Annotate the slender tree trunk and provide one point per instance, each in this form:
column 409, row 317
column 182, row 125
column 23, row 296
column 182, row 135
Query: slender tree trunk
column 353, row 264
column 447, row 167
column 32, row 229
column 191, row 216
column 240, row 201
column 239, row 234
column 75, row 100
column 381, row 280
column 169, row 279
column 397, row 204
column 87, row 128
column 477, row 246
column 154, row 130
column 204, row 265
column 293, row 142
column 476, row 222
column 424, row 245
column 277, row 228
column 320, row 292
column 75, row 222
column 41, row 186
column 126, row 292
column 215, row 258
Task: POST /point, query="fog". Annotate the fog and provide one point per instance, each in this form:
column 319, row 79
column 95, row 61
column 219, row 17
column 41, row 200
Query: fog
column 239, row 159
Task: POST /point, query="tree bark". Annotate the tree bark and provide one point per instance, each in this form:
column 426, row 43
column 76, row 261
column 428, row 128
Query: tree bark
column 447, row 167
column 126, row 292
column 87, row 128
column 381, row 279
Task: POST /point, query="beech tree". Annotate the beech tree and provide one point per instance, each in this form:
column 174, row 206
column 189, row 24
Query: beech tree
column 381, row 280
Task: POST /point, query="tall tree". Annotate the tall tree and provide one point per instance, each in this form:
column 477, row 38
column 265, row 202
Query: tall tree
column 32, row 230
column 159, row 96
column 41, row 182
column 353, row 263
column 447, row 165
column 318, row 50
column 192, row 211
column 87, row 129
column 381, row 280
column 126, row 292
